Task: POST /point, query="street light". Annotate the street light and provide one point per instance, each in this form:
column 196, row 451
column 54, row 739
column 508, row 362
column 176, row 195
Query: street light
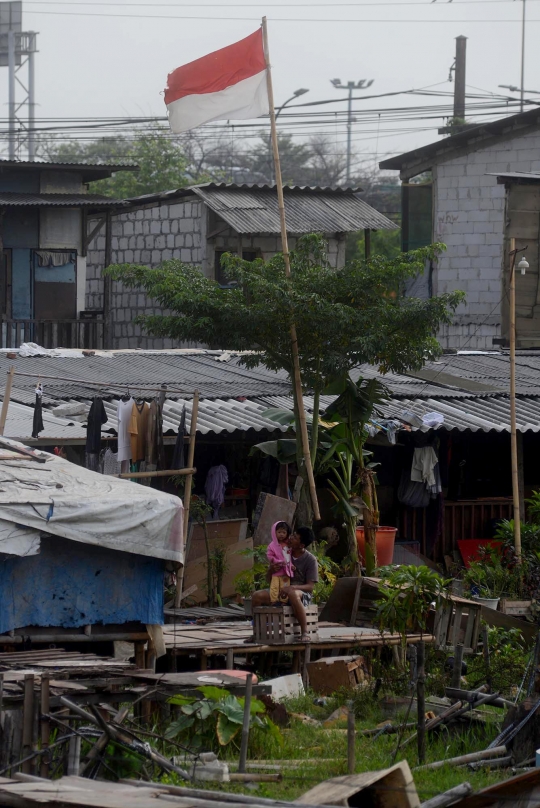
column 296, row 94
column 523, row 266
column 363, row 84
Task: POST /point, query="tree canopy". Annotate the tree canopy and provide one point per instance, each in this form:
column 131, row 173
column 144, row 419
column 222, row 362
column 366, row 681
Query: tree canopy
column 344, row 317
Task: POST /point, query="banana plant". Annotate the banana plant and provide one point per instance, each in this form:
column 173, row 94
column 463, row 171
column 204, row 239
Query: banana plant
column 353, row 481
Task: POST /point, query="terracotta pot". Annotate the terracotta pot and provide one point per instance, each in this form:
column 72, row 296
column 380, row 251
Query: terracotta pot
column 385, row 539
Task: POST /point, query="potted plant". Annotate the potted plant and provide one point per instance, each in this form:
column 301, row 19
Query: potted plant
column 491, row 577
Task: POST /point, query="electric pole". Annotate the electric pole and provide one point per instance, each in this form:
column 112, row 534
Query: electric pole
column 363, row 84
column 459, row 78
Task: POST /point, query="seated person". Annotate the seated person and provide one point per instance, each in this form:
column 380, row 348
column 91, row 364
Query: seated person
column 306, row 574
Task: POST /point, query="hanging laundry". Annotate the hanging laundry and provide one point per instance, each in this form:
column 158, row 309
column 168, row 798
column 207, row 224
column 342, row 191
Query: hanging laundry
column 155, row 451
column 424, row 461
column 138, row 428
column 96, row 417
column 124, row 436
column 37, row 423
column 214, row 487
column 178, row 461
column 110, row 462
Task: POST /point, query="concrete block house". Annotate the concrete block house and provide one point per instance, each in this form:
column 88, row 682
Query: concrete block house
column 197, row 225
column 475, row 191
column 43, row 225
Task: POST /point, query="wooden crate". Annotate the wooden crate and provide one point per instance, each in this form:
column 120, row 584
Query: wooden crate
column 329, row 674
column 274, row 625
column 517, row 608
column 457, row 620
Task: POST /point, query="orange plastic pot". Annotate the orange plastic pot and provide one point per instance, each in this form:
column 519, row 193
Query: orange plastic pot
column 385, row 539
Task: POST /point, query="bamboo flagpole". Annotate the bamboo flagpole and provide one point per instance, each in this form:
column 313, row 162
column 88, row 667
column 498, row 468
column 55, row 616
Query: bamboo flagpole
column 297, row 378
column 513, row 419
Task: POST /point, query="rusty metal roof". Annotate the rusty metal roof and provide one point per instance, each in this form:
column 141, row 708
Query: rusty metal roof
column 253, row 209
column 11, row 199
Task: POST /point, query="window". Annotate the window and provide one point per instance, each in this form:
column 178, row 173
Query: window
column 220, row 276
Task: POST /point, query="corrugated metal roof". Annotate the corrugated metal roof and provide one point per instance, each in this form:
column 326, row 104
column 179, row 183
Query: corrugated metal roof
column 61, row 430
column 235, row 397
column 526, row 176
column 255, row 210
column 59, row 200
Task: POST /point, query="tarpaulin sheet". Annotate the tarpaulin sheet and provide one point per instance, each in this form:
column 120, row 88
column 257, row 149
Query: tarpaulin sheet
column 63, row 499
column 71, row 585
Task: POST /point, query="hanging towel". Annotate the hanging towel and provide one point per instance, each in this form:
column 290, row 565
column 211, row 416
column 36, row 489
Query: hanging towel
column 124, row 437
column 424, row 461
column 37, row 423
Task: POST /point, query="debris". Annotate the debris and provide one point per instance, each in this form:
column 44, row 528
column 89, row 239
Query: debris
column 392, row 787
column 329, row 674
column 449, row 797
column 306, row 719
column 285, row 687
column 485, row 754
column 339, row 716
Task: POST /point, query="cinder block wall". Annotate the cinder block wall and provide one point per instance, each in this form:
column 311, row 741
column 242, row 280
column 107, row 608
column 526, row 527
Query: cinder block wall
column 158, row 233
column 469, row 217
column 148, row 236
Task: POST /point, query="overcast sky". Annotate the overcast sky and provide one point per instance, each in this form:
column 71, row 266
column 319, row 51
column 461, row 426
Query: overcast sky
column 100, row 59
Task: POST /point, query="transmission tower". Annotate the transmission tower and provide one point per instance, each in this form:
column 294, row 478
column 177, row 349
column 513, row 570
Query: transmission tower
column 17, row 51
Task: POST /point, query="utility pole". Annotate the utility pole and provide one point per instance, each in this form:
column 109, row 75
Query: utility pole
column 459, row 78
column 522, row 91
column 350, row 86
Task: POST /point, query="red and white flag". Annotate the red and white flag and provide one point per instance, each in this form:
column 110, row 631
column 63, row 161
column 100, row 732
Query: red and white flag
column 227, row 84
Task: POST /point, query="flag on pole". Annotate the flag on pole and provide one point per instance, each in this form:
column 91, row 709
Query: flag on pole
column 227, row 84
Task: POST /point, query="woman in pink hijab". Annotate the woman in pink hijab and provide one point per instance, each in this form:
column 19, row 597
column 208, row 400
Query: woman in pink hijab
column 279, row 553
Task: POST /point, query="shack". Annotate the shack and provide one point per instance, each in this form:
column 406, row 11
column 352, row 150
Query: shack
column 80, row 549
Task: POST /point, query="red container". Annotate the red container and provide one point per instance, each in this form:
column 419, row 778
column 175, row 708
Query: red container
column 386, row 537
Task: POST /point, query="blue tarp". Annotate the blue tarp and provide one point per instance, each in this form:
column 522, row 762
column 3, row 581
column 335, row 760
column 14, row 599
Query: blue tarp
column 72, row 584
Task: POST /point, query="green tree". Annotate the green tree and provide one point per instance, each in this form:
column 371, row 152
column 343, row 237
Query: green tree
column 163, row 165
column 344, row 317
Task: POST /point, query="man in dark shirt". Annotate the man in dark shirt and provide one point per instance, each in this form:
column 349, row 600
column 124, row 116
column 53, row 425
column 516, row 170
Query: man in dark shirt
column 306, row 575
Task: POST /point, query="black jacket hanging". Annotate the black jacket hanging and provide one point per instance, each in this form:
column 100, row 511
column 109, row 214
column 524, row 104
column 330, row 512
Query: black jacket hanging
column 37, row 423
column 96, row 417
column 179, row 461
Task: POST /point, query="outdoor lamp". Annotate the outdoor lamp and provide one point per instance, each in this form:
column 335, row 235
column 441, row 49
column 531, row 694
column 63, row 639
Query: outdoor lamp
column 301, row 91
column 523, row 265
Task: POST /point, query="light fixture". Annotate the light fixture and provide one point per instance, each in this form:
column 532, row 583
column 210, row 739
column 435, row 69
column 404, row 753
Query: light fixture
column 523, row 265
column 335, row 82
column 301, row 91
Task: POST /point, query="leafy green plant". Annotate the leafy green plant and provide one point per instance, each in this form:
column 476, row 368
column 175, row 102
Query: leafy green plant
column 508, row 660
column 248, row 581
column 408, row 592
column 218, row 567
column 214, row 720
column 353, row 477
column 328, row 572
column 492, row 576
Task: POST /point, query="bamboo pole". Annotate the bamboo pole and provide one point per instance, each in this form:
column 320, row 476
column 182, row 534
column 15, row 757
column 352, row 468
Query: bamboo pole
column 297, row 378
column 245, row 725
column 187, row 496
column 45, row 725
column 161, row 473
column 513, row 422
column 7, row 397
column 351, row 741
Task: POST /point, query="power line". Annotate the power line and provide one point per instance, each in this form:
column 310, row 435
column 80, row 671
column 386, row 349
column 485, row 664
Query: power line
column 261, row 3
column 483, row 21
